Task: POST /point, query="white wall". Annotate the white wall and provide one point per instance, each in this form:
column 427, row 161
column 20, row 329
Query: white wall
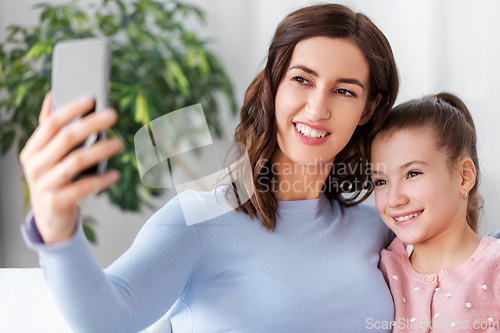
column 440, row 45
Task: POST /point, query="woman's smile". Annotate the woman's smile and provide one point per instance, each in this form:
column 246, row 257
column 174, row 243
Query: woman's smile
column 309, row 135
column 321, row 99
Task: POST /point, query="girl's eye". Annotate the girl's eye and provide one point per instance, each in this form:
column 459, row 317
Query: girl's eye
column 346, row 92
column 300, row 80
column 412, row 174
column 379, row 182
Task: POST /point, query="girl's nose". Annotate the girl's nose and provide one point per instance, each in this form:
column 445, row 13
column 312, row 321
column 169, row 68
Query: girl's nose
column 396, row 197
column 318, row 105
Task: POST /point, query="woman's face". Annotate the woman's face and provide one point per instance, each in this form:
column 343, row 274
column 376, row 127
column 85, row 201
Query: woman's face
column 321, row 99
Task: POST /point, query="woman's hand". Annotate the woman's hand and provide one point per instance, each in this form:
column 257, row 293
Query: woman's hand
column 49, row 164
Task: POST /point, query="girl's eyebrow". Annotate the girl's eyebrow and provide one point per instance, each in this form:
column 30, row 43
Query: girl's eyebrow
column 406, row 165
column 313, row 73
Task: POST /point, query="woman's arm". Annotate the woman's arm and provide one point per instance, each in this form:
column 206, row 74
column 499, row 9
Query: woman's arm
column 134, row 291
column 49, row 163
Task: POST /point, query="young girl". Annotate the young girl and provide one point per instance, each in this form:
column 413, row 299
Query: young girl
column 425, row 172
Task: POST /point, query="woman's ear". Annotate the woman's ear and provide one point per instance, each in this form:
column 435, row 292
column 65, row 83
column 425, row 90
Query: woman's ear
column 468, row 175
column 369, row 109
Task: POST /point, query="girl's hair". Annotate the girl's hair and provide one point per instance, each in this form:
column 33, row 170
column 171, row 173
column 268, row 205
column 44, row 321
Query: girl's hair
column 257, row 129
column 453, row 128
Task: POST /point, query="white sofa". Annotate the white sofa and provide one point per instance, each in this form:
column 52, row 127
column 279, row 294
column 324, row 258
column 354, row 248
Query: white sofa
column 27, row 306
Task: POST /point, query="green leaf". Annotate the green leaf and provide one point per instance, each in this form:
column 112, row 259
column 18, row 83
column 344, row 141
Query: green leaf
column 26, row 193
column 125, row 101
column 122, row 7
column 200, row 14
column 41, row 5
column 141, row 109
column 13, row 30
column 174, row 67
column 20, row 94
column 89, row 234
column 7, row 140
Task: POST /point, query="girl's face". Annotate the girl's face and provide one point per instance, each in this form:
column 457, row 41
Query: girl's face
column 416, row 193
column 321, row 99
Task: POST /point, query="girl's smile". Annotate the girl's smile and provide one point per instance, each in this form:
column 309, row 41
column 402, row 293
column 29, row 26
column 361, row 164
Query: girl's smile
column 417, row 192
column 406, row 218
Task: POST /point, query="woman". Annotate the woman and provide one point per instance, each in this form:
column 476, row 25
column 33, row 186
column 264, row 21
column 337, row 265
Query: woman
column 285, row 261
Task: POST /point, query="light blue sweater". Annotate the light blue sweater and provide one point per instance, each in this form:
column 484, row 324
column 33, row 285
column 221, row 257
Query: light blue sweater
column 316, row 273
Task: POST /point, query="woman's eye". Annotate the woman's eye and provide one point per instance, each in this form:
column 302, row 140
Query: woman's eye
column 412, row 174
column 346, row 92
column 300, row 80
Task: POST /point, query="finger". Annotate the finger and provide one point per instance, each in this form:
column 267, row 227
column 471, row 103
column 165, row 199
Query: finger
column 54, row 121
column 74, row 192
column 73, row 135
column 78, row 161
column 46, row 107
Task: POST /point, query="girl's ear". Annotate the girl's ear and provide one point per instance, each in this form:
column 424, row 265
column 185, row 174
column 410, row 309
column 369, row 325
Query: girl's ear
column 370, row 108
column 467, row 174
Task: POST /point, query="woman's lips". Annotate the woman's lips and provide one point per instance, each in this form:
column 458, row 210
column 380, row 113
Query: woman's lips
column 308, row 140
column 319, row 128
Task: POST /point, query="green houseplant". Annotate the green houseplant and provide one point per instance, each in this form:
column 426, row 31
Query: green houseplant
column 157, row 66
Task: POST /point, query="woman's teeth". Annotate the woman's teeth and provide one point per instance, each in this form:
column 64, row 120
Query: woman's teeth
column 406, row 217
column 309, row 132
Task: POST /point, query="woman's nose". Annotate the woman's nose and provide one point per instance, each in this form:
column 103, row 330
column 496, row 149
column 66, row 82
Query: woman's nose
column 318, row 105
column 397, row 197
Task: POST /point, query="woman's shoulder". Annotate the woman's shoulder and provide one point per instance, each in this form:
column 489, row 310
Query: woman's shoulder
column 192, row 207
column 365, row 213
column 364, row 221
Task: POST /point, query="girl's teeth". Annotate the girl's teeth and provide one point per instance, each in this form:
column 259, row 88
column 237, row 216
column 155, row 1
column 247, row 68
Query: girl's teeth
column 406, row 217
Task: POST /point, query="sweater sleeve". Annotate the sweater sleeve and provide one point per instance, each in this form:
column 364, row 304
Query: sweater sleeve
column 138, row 288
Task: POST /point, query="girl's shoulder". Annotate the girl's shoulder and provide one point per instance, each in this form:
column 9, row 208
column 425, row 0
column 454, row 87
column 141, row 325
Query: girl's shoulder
column 397, row 249
column 491, row 248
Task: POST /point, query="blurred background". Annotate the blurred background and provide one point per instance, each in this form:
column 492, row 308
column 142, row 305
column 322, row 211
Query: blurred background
column 439, row 45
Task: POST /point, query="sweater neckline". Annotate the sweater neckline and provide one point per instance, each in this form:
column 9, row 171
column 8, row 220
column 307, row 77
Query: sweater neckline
column 399, row 247
column 305, row 206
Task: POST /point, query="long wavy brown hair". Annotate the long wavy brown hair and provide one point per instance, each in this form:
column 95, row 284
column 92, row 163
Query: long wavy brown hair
column 257, row 129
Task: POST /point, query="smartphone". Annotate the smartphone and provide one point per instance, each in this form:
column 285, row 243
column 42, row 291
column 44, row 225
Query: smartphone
column 80, row 68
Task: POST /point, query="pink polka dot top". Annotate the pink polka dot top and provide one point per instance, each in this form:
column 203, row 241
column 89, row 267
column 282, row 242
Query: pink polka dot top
column 466, row 297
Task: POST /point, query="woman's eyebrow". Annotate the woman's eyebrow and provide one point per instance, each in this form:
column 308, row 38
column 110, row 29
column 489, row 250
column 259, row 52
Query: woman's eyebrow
column 305, row 69
column 313, row 73
column 352, row 81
